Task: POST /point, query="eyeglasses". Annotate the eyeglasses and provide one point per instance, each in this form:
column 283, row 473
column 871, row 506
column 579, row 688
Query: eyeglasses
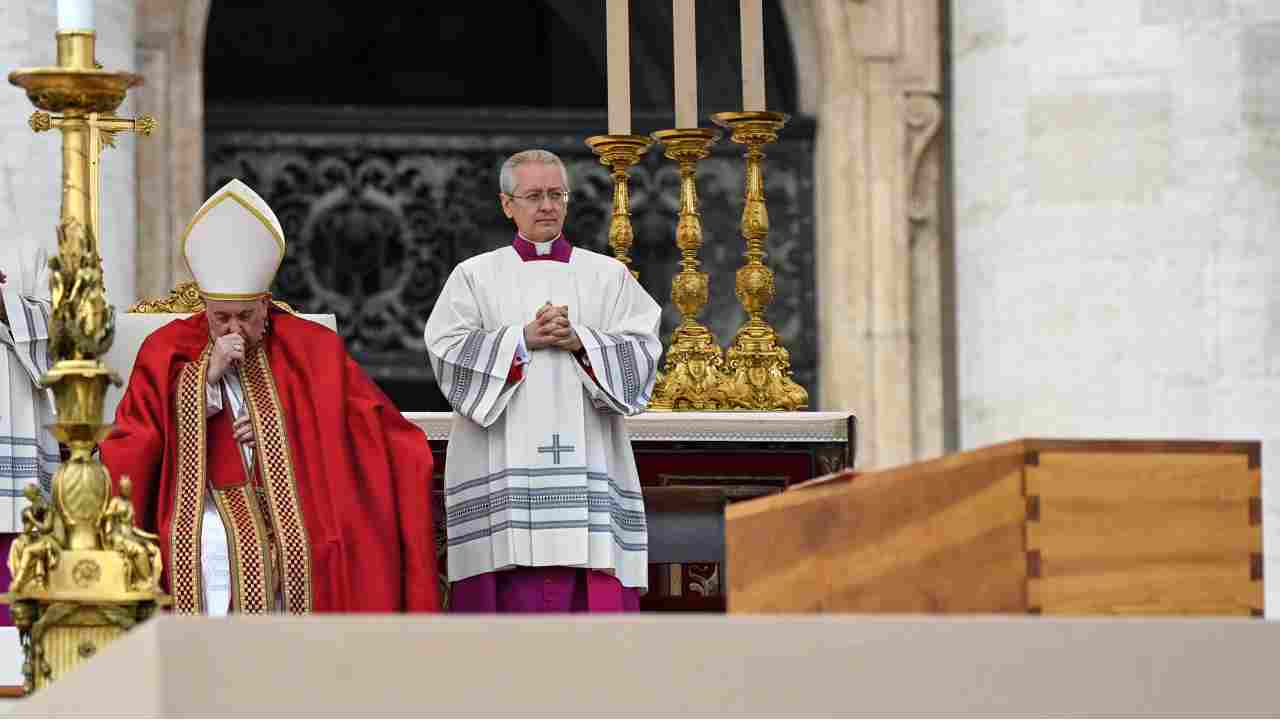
column 557, row 197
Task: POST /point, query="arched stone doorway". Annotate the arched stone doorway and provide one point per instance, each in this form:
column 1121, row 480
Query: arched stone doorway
column 869, row 71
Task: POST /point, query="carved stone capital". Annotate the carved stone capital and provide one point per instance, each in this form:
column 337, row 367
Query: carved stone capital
column 923, row 117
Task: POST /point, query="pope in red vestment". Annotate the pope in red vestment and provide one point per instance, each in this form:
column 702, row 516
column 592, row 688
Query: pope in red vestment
column 321, row 485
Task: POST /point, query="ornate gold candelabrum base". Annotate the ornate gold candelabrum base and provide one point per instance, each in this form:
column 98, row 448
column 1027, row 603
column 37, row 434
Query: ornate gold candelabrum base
column 619, row 152
column 692, row 375
column 758, row 366
column 83, row 573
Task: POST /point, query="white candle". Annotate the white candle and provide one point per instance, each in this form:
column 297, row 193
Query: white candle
column 618, row 49
column 752, row 56
column 686, row 62
column 75, row 15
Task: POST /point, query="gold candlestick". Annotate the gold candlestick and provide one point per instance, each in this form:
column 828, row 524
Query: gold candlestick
column 619, row 152
column 82, row 572
column 691, row 376
column 759, row 367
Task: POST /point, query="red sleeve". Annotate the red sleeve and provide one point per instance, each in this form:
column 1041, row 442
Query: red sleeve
column 516, row 373
column 394, row 457
column 136, row 446
column 417, row 534
column 581, row 357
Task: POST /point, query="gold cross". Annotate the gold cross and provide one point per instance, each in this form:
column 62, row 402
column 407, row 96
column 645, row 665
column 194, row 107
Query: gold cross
column 102, row 131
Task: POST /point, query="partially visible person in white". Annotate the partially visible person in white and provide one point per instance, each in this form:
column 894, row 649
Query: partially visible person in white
column 28, row 452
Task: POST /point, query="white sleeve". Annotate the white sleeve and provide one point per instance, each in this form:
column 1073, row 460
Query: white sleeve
column 471, row 361
column 624, row 353
column 28, row 328
column 213, row 400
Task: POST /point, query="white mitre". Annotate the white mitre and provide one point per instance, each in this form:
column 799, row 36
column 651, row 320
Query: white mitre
column 234, row 244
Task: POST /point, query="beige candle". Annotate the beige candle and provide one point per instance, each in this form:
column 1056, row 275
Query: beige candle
column 752, row 56
column 686, row 62
column 75, row 15
column 618, row 49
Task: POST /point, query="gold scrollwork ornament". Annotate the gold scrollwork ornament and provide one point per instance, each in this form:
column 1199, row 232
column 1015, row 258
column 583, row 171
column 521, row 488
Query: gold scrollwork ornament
column 185, row 298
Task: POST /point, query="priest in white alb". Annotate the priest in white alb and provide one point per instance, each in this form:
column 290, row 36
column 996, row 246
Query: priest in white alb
column 542, row 349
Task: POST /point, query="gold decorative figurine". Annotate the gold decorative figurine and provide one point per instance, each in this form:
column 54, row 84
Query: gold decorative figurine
column 691, row 376
column 82, row 572
column 619, row 152
column 758, row 366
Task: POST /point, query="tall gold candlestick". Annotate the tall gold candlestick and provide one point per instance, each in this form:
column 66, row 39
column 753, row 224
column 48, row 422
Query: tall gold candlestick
column 619, row 152
column 84, row 96
column 759, row 367
column 692, row 376
column 82, row 572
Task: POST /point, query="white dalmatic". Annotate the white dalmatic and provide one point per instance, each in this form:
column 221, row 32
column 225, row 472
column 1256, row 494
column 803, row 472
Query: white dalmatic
column 540, row 471
column 28, row 451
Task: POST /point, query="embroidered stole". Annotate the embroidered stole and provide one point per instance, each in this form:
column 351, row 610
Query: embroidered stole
column 267, row 541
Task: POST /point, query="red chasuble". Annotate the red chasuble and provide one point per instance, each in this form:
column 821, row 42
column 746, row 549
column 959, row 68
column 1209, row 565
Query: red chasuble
column 335, row 513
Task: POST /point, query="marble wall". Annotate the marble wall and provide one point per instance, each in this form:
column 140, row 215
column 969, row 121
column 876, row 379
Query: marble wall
column 31, row 164
column 1116, row 177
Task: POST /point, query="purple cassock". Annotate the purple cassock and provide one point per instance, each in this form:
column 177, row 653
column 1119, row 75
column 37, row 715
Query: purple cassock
column 543, row 589
column 559, row 252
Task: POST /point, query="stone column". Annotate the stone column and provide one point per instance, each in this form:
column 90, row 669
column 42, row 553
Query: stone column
column 171, row 166
column 881, row 254
column 31, row 181
column 1117, row 175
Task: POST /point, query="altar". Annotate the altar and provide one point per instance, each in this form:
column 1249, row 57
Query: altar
column 692, row 465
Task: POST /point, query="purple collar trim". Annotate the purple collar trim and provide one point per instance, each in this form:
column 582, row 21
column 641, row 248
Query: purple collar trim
column 560, row 249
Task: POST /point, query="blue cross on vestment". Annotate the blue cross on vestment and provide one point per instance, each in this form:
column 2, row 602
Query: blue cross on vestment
column 555, row 448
